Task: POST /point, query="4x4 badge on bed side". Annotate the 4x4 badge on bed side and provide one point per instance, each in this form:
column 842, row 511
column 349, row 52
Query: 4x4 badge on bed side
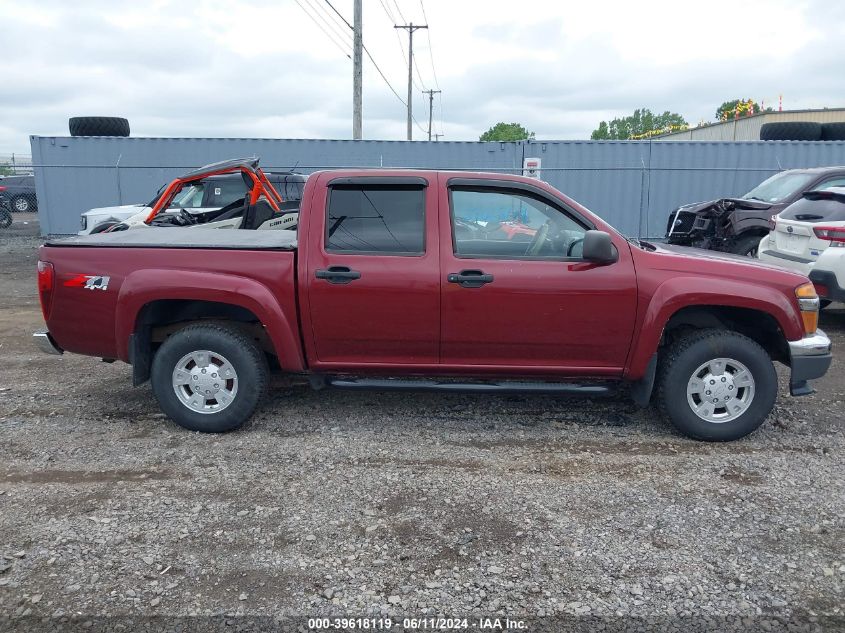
column 88, row 282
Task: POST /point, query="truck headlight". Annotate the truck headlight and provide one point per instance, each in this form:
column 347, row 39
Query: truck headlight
column 808, row 303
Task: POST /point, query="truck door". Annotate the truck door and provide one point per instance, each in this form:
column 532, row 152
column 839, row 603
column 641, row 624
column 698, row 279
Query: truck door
column 516, row 292
column 373, row 280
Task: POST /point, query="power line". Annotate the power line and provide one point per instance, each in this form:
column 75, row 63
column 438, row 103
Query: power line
column 321, row 11
column 327, row 33
column 387, row 11
column 411, row 28
column 340, row 15
column 440, row 109
column 399, row 10
column 393, row 20
column 430, row 53
column 392, row 89
column 366, row 50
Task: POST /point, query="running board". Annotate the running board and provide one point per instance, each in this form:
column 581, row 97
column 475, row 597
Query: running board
column 398, row 384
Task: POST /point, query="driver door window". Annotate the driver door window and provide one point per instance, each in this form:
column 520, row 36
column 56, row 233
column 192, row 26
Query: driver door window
column 512, row 225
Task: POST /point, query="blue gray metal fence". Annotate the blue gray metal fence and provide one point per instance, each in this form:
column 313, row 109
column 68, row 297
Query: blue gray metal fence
column 632, row 184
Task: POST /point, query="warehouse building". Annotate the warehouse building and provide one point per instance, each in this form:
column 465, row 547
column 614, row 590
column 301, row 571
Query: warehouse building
column 747, row 128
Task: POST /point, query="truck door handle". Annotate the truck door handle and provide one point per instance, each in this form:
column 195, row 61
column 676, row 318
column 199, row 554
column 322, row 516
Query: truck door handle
column 338, row 274
column 470, row 278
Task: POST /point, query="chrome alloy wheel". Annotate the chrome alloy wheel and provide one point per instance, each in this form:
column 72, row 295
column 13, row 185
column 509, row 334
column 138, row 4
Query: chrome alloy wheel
column 205, row 381
column 720, row 390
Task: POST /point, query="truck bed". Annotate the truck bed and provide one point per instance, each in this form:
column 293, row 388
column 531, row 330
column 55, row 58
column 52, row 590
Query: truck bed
column 186, row 237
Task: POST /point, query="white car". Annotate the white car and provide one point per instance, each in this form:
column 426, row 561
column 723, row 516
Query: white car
column 102, row 217
column 809, row 237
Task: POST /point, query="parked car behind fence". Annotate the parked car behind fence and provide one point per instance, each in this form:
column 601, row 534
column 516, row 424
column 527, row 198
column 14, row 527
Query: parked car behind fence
column 19, row 192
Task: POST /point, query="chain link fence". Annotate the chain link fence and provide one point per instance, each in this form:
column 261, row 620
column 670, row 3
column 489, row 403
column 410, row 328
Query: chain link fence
column 17, row 184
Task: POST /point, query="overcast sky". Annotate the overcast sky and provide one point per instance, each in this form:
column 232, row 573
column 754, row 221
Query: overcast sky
column 257, row 68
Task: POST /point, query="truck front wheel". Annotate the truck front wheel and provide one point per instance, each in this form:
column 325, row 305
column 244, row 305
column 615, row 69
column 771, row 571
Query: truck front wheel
column 209, row 378
column 716, row 385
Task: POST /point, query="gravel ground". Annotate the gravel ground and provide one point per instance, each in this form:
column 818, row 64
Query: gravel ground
column 346, row 504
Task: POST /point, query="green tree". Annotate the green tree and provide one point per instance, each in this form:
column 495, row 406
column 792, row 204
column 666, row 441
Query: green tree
column 728, row 110
column 641, row 124
column 506, row 132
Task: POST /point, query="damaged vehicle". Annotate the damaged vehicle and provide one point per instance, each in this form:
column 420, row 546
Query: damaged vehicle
column 233, row 194
column 736, row 225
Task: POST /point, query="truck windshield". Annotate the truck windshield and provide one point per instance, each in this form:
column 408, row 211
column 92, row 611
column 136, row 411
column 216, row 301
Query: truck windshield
column 779, row 187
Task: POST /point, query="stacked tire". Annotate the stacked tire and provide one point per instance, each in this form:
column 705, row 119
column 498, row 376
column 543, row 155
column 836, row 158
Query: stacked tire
column 833, row 131
column 802, row 131
column 791, row 131
column 98, row 126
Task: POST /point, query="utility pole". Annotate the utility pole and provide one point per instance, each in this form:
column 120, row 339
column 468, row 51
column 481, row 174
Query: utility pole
column 430, row 94
column 357, row 45
column 410, row 28
column 437, row 136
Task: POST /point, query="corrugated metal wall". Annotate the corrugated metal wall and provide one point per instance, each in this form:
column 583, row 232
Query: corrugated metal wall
column 632, row 184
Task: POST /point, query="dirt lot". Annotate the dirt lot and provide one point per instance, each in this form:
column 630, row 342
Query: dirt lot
column 393, row 504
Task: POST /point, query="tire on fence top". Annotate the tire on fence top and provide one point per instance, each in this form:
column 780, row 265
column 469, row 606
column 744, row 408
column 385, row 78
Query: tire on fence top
column 833, row 131
column 791, row 131
column 98, row 126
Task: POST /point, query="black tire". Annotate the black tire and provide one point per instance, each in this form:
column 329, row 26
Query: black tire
column 745, row 245
column 5, row 219
column 23, row 204
column 98, row 126
column 239, row 350
column 678, row 364
column 833, row 131
column 791, row 131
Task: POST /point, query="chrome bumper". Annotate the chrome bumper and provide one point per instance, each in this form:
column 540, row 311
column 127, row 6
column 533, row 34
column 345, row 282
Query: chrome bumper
column 810, row 358
column 46, row 344
column 817, row 344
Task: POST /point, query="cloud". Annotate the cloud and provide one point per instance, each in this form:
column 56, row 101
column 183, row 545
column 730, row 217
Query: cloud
column 262, row 68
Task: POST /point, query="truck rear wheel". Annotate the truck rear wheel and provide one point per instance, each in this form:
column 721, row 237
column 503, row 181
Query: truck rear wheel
column 209, row 378
column 716, row 385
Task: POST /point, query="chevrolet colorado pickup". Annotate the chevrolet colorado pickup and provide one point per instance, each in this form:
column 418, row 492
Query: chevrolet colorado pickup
column 403, row 279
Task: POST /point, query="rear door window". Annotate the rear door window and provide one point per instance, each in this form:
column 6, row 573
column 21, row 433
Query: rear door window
column 376, row 219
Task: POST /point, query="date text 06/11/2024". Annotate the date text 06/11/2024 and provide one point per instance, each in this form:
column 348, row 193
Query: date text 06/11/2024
column 492, row 624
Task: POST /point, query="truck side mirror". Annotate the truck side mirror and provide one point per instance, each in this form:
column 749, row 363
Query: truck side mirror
column 599, row 248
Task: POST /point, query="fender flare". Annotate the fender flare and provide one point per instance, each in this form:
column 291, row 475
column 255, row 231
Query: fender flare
column 145, row 286
column 684, row 292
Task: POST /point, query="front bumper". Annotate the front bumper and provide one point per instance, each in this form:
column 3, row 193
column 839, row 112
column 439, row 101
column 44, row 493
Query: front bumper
column 827, row 279
column 810, row 358
column 46, row 344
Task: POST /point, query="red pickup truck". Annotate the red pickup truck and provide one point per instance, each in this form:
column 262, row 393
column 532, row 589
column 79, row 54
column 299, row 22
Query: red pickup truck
column 403, row 279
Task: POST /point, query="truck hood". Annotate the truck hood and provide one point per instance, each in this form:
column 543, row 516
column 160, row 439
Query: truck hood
column 689, row 255
column 740, row 203
column 130, row 209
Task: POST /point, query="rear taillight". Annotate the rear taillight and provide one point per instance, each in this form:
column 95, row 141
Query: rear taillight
column 773, row 222
column 2, row 188
column 46, row 278
column 832, row 233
